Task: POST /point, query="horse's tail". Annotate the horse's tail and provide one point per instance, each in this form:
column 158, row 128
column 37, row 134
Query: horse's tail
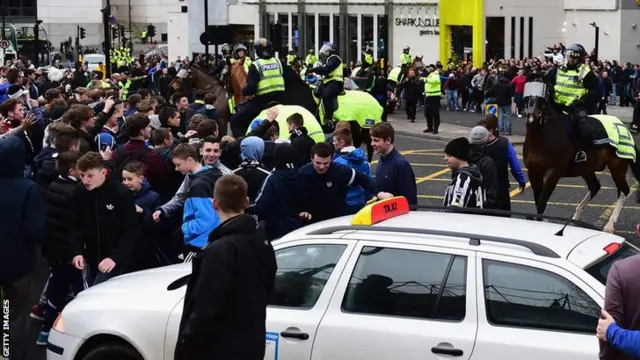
column 635, row 165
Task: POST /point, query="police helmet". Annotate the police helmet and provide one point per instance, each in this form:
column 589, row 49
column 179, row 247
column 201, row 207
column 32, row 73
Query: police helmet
column 311, row 51
column 369, row 51
column 239, row 47
column 406, row 49
column 226, row 50
column 292, row 52
column 263, row 47
column 575, row 51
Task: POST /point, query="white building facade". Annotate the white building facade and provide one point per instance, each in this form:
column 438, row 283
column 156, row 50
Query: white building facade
column 508, row 28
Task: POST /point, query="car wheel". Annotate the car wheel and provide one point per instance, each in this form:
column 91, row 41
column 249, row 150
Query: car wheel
column 111, row 351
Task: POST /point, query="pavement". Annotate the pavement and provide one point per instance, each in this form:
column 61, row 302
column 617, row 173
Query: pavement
column 457, row 123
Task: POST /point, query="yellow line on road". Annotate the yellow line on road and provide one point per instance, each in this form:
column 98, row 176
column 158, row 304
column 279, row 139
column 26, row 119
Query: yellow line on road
column 436, row 197
column 406, row 152
column 559, row 185
column 606, row 214
column 432, row 176
column 517, row 191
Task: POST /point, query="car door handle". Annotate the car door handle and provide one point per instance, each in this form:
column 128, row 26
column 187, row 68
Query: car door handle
column 295, row 335
column 446, row 351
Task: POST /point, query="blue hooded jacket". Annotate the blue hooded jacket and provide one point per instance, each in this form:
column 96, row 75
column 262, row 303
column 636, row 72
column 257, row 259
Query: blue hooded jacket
column 199, row 218
column 357, row 160
column 3, row 92
column 23, row 217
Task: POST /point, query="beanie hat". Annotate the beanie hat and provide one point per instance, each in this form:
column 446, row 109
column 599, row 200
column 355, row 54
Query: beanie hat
column 458, row 148
column 479, row 135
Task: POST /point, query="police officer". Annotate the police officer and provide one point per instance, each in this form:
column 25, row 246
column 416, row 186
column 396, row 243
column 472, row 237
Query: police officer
column 432, row 91
column 332, row 72
column 367, row 61
column 576, row 91
column 311, row 59
column 405, row 62
column 240, row 52
column 291, row 57
column 265, row 84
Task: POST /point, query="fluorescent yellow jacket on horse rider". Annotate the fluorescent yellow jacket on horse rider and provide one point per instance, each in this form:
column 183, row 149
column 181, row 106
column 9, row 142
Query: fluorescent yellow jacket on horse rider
column 104, row 84
column 125, row 88
column 291, row 59
column 394, row 74
column 367, row 60
column 405, row 59
column 271, row 79
column 569, row 87
column 247, row 63
column 432, row 85
column 336, row 74
column 311, row 60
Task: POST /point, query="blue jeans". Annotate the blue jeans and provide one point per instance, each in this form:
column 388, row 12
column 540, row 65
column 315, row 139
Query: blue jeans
column 452, row 99
column 63, row 277
column 614, row 94
column 504, row 120
column 519, row 103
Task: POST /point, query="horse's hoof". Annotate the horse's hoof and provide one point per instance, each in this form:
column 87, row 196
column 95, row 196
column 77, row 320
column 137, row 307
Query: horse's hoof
column 609, row 229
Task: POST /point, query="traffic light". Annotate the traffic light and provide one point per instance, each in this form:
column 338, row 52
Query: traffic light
column 83, row 33
column 114, row 33
column 151, row 30
column 121, row 30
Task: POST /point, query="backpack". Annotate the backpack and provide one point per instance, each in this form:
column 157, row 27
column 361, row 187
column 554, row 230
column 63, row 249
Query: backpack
column 123, row 159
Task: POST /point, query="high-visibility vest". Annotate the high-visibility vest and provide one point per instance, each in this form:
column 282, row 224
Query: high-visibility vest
column 337, row 74
column 311, row 59
column 247, row 63
column 432, row 85
column 569, row 87
column 104, row 84
column 394, row 74
column 125, row 88
column 368, row 59
column 271, row 79
column 291, row 59
column 405, row 59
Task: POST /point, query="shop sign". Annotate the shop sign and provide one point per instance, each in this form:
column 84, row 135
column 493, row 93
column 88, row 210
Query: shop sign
column 427, row 26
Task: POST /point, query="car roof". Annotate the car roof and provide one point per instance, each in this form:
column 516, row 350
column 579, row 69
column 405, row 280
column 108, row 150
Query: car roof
column 484, row 226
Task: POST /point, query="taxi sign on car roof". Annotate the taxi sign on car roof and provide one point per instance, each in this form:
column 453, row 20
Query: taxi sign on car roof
column 381, row 210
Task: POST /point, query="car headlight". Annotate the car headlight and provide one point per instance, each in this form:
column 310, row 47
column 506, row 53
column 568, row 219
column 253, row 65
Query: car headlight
column 58, row 325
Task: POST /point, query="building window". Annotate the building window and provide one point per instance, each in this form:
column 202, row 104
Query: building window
column 310, row 31
column 521, row 37
column 283, row 18
column 530, row 49
column 336, row 30
column 352, row 35
column 382, row 36
column 513, row 37
column 367, row 32
column 164, row 37
column 323, row 28
column 295, row 33
column 26, row 8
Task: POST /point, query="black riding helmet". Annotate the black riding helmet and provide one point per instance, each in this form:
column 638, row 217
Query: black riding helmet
column 575, row 54
column 263, row 47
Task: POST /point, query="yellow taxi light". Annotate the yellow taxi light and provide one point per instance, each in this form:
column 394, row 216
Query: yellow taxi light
column 381, row 210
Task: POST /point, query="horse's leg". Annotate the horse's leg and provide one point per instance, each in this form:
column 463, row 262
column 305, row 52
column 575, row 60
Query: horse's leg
column 536, row 181
column 593, row 184
column 618, row 168
column 549, row 183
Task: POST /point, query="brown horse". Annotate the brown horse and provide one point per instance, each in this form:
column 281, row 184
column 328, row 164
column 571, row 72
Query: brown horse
column 194, row 77
column 236, row 80
column 416, row 65
column 549, row 156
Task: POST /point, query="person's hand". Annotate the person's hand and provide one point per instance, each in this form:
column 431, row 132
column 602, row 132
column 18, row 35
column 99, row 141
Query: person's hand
column 106, row 154
column 522, row 187
column 305, row 216
column 78, row 262
column 108, row 104
column 106, row 265
column 191, row 133
column 272, row 113
column 139, row 210
column 384, row 195
column 603, row 324
column 27, row 121
column 156, row 215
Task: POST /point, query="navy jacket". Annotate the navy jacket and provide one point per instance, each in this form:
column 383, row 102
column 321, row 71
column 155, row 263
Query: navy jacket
column 327, row 193
column 23, row 217
column 395, row 175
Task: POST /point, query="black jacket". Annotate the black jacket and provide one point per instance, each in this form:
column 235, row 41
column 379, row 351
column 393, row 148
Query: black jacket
column 489, row 175
column 225, row 306
column 106, row 223
column 302, row 144
column 60, row 220
column 254, row 174
column 503, row 91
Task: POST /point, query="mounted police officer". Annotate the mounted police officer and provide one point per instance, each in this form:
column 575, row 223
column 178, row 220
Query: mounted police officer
column 332, row 72
column 240, row 51
column 291, row 57
column 405, row 62
column 311, row 59
column 367, row 61
column 265, row 85
column 576, row 89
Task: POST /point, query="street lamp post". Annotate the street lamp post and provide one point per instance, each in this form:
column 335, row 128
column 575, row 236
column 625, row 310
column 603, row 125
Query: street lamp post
column 595, row 50
column 206, row 29
column 4, row 14
column 106, row 14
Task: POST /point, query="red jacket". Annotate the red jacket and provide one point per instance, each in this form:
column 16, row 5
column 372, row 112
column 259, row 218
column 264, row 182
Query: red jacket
column 519, row 82
column 156, row 170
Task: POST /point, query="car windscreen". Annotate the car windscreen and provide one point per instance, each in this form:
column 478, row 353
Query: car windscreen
column 600, row 270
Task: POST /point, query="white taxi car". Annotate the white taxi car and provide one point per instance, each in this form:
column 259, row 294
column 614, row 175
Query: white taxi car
column 387, row 283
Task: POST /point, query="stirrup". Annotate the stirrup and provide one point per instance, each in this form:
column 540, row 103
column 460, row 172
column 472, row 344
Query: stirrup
column 581, row 156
